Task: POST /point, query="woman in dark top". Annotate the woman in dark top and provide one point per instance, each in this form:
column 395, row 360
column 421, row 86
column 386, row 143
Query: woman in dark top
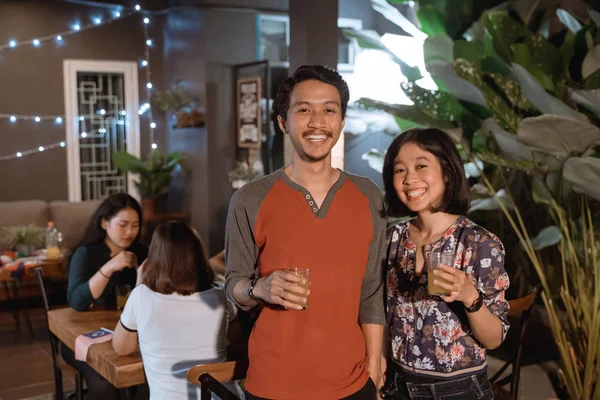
column 438, row 344
column 107, row 256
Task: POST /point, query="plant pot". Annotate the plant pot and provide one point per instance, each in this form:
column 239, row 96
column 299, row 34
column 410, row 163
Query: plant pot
column 26, row 249
column 238, row 183
column 148, row 207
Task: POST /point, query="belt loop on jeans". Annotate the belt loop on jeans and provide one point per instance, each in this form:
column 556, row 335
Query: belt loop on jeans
column 433, row 392
column 476, row 382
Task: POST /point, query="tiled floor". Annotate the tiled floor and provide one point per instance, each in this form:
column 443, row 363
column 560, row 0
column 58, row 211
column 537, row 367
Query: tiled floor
column 26, row 365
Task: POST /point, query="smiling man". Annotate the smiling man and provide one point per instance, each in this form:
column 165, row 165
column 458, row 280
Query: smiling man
column 319, row 339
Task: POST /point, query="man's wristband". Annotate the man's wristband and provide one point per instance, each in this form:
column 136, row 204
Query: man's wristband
column 476, row 304
column 251, row 288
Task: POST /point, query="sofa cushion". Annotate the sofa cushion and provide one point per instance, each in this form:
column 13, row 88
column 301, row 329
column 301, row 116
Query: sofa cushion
column 24, row 212
column 71, row 219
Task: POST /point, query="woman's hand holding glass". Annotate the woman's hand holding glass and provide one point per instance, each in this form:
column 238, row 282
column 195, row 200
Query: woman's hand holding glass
column 124, row 259
column 457, row 283
column 283, row 288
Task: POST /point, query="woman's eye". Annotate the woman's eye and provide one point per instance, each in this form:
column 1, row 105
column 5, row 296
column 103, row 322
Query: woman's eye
column 399, row 171
column 421, row 166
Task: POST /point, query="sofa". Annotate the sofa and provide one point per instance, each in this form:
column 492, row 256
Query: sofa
column 70, row 218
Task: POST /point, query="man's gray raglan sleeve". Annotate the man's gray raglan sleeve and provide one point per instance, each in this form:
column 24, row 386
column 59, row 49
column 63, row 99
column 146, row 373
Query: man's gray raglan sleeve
column 240, row 249
column 372, row 309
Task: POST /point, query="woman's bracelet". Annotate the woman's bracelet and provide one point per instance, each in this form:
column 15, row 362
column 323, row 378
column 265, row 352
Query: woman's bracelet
column 103, row 274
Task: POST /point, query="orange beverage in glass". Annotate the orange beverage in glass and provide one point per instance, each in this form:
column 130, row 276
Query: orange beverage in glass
column 434, row 260
column 305, row 273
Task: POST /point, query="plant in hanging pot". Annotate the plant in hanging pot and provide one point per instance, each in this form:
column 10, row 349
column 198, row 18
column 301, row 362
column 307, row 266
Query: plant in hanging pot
column 154, row 174
column 181, row 102
column 243, row 174
column 24, row 238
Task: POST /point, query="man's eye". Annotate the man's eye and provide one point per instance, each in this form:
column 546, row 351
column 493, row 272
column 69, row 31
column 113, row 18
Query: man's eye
column 331, row 111
column 421, row 166
column 303, row 110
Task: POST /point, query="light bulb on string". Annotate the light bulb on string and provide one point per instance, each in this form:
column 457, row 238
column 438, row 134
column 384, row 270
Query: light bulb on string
column 102, row 130
column 76, row 27
column 13, row 118
column 149, row 42
column 41, row 148
column 153, row 125
column 137, row 7
column 144, row 63
column 37, row 119
column 59, row 38
column 146, row 20
column 149, row 85
column 97, row 21
column 19, row 154
column 154, row 146
column 123, row 112
column 36, row 42
column 117, row 14
column 102, row 112
column 83, row 134
column 121, row 122
column 62, row 144
column 12, row 43
column 81, row 118
column 58, row 120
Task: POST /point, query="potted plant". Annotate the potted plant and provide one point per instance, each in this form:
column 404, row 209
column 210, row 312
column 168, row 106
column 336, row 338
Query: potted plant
column 181, row 102
column 24, row 238
column 243, row 174
column 154, row 174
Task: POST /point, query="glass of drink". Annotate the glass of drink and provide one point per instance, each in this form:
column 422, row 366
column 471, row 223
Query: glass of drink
column 434, row 260
column 305, row 273
column 123, row 292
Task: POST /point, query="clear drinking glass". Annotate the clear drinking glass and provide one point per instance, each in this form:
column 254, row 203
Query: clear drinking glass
column 305, row 273
column 434, row 260
column 123, row 292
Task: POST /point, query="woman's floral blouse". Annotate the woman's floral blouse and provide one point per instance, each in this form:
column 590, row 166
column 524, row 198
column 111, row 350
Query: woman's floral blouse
column 429, row 336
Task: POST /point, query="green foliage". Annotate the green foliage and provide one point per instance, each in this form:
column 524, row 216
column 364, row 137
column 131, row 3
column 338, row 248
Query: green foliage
column 154, row 172
column 23, row 235
column 175, row 99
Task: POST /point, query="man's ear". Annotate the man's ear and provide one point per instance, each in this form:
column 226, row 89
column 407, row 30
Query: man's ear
column 281, row 123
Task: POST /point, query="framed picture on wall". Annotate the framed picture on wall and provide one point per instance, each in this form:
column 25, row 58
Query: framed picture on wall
column 249, row 125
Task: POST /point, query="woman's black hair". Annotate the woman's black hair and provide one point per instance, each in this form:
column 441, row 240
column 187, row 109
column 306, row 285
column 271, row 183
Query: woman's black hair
column 457, row 194
column 110, row 206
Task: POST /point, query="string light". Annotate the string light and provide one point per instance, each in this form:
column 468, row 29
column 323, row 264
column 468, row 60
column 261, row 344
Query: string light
column 75, row 28
column 146, row 63
column 36, row 118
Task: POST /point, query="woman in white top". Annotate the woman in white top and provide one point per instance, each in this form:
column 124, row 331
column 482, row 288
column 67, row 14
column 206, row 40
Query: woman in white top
column 179, row 313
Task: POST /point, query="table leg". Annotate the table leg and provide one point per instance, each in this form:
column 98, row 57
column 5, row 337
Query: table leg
column 24, row 304
column 12, row 304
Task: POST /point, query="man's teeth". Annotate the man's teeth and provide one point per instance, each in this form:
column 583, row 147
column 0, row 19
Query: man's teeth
column 316, row 137
column 416, row 192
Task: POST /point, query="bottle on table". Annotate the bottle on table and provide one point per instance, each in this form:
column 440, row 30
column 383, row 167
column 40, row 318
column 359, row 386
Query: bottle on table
column 51, row 235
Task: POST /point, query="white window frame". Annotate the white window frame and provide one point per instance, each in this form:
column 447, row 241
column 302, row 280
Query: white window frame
column 129, row 69
column 353, row 49
column 278, row 18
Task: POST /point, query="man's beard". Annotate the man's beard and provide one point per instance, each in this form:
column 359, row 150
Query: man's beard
column 310, row 159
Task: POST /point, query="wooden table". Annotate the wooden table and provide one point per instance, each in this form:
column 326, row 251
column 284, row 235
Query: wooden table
column 121, row 371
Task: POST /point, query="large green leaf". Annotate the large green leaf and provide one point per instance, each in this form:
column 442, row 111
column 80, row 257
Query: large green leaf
column 510, row 148
column 574, row 49
column 558, row 134
column 504, row 31
column 368, row 39
column 523, row 57
column 547, row 237
column 540, row 192
column 457, row 86
column 439, row 48
column 545, row 102
column 589, row 99
column 569, row 20
column 591, row 62
column 491, row 203
column 407, row 112
column 439, row 105
column 128, row 162
column 584, row 175
column 472, row 51
column 392, row 14
column 432, row 20
column 527, row 166
column 545, row 56
column 502, row 111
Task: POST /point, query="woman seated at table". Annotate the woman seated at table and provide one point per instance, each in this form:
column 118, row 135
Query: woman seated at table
column 179, row 313
column 106, row 257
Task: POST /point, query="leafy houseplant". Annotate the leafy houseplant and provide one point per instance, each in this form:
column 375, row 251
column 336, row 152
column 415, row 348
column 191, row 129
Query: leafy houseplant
column 181, row 102
column 243, row 174
column 154, row 174
column 24, row 238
